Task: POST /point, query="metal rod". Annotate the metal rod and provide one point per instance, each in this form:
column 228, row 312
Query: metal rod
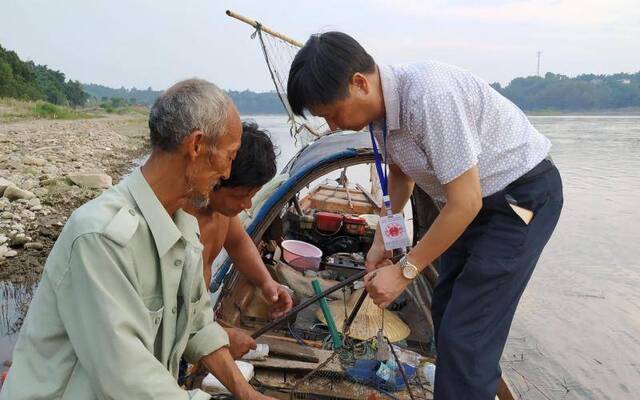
column 404, row 376
column 257, row 25
column 295, row 310
column 354, row 312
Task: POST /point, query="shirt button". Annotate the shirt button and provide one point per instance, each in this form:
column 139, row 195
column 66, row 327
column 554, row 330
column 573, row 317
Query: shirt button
column 132, row 212
column 157, row 320
column 174, row 309
column 177, row 263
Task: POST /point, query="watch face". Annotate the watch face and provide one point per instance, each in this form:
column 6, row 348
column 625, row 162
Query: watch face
column 409, row 272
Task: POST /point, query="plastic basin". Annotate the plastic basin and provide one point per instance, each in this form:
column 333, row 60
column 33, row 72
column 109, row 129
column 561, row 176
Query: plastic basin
column 301, row 255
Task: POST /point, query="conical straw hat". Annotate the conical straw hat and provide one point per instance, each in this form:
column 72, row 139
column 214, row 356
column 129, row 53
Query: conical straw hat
column 368, row 320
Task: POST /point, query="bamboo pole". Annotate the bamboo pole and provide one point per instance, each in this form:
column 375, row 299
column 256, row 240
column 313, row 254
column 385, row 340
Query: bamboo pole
column 257, row 24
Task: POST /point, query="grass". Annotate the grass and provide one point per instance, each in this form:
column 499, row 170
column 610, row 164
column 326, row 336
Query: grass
column 12, row 110
column 15, row 110
column 50, row 111
column 118, row 106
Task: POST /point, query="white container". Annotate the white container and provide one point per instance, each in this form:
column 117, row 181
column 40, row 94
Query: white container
column 212, row 385
column 428, row 371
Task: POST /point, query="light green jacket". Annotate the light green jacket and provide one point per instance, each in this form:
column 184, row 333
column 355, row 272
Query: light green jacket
column 121, row 299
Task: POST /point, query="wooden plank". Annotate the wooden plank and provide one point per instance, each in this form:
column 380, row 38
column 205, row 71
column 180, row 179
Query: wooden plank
column 341, row 205
column 312, row 343
column 336, row 199
column 292, row 365
column 504, row 390
column 369, row 196
column 288, row 350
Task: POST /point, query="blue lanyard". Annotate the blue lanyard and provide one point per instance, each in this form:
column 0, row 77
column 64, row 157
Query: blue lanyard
column 382, row 175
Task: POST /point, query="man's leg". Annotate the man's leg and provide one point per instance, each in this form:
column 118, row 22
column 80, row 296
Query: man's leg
column 484, row 297
column 451, row 264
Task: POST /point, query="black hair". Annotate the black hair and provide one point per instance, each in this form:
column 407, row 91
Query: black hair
column 321, row 70
column 255, row 162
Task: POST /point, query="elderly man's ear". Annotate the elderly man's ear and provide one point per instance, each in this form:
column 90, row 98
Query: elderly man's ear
column 194, row 145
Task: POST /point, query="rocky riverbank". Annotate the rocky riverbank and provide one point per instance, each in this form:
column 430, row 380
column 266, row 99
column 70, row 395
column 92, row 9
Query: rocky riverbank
column 47, row 169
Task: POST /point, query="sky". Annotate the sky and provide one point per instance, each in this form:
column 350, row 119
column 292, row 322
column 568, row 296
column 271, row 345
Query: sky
column 145, row 43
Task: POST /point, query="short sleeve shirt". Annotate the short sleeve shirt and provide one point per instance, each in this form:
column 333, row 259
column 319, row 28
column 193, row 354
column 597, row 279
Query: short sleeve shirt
column 443, row 120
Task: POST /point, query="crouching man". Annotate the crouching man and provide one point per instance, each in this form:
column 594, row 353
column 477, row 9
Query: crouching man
column 122, row 297
column 220, row 225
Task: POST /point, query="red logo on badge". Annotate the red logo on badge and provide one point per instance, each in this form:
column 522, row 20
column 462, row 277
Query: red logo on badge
column 393, row 230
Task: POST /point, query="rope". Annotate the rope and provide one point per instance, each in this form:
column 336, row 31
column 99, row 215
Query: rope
column 285, row 104
column 278, row 55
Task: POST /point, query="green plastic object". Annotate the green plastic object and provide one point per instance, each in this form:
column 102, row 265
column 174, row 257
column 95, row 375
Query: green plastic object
column 335, row 336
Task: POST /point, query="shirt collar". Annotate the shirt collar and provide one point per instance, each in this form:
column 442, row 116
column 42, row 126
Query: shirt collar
column 391, row 96
column 165, row 230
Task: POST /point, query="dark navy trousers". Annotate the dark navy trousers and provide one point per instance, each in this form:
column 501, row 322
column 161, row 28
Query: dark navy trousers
column 482, row 276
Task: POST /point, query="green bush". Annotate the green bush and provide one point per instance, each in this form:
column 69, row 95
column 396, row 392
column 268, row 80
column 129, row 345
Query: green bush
column 50, row 111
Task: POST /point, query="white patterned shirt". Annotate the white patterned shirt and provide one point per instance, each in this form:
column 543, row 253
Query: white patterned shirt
column 443, row 120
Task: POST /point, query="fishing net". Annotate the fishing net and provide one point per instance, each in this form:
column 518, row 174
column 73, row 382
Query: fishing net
column 279, row 54
column 372, row 368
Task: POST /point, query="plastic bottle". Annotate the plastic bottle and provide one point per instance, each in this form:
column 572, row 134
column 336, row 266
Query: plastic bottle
column 429, row 372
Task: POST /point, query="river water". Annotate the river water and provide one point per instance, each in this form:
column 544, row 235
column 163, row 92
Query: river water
column 576, row 334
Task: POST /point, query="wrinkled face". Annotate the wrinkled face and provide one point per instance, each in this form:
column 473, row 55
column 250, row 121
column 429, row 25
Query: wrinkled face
column 230, row 201
column 208, row 163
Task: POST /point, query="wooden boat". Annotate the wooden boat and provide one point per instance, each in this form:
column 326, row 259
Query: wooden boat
column 239, row 304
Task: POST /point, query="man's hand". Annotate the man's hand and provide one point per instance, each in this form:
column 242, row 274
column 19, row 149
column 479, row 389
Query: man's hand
column 378, row 256
column 239, row 342
column 222, row 366
column 278, row 297
column 385, row 285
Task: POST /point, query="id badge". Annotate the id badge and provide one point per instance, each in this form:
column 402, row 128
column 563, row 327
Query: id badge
column 394, row 232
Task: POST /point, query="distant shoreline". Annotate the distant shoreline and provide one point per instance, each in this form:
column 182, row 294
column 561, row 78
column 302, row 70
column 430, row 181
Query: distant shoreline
column 627, row 111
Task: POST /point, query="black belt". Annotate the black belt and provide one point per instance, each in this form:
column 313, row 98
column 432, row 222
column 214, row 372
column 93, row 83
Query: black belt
column 542, row 167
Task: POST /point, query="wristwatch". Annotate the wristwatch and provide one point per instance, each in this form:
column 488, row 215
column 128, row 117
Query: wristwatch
column 409, row 270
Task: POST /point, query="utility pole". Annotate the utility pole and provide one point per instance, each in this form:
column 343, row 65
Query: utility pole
column 538, row 70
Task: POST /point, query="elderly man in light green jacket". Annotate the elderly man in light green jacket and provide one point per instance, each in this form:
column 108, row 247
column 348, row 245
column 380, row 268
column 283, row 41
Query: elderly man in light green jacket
column 122, row 297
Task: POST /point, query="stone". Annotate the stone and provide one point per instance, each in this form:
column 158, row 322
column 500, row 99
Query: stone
column 36, row 208
column 17, row 228
column 93, row 181
column 35, row 202
column 6, row 215
column 40, row 191
column 10, row 253
column 19, row 240
column 29, row 184
column 3, row 239
column 34, row 246
column 29, row 160
column 28, row 214
column 14, row 193
column 4, row 184
column 3, row 251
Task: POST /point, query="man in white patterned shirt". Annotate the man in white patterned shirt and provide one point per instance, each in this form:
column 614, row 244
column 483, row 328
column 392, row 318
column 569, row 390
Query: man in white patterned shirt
column 474, row 152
